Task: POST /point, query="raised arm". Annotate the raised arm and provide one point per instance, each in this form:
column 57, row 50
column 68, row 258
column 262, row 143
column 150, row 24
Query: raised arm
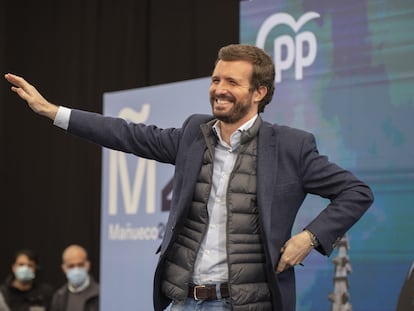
column 33, row 98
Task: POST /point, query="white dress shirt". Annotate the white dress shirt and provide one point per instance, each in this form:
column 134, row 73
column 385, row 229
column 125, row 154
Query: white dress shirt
column 211, row 262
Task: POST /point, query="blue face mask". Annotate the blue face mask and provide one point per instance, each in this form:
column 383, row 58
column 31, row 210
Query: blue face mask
column 77, row 276
column 24, row 273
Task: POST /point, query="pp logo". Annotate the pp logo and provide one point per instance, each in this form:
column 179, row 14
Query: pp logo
column 294, row 47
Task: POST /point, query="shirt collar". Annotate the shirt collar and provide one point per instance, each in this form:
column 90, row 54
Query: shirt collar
column 235, row 136
column 80, row 288
column 248, row 124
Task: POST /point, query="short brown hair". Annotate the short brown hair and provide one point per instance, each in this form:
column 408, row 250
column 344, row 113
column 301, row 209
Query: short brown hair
column 263, row 67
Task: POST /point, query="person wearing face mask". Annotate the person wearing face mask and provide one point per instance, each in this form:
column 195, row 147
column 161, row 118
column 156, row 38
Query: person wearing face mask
column 81, row 292
column 21, row 291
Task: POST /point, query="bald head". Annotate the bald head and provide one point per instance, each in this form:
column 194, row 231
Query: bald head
column 74, row 251
column 75, row 256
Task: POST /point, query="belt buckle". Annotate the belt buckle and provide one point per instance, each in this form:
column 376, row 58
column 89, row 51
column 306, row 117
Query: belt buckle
column 195, row 291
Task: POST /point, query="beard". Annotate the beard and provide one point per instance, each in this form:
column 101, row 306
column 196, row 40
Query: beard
column 231, row 115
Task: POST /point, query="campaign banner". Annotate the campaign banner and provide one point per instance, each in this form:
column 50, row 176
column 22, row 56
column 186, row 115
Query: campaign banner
column 136, row 193
column 344, row 72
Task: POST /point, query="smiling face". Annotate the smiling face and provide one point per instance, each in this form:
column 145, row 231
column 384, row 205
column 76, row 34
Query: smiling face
column 232, row 99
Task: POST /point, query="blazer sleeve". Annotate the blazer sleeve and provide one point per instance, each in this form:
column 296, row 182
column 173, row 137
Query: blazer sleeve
column 147, row 141
column 349, row 197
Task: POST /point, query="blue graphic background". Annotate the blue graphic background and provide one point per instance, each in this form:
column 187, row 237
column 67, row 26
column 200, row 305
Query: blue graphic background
column 358, row 100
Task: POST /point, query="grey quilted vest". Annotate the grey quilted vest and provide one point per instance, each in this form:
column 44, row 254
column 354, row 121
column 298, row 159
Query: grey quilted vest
column 245, row 253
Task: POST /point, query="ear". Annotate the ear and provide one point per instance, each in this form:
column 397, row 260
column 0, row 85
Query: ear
column 260, row 93
column 63, row 268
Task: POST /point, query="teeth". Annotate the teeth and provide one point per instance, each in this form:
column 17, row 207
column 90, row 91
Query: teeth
column 221, row 101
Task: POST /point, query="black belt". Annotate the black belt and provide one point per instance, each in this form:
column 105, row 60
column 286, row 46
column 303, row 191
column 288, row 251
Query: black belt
column 207, row 292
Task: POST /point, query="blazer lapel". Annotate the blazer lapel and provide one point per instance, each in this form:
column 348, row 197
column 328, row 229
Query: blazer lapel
column 193, row 164
column 267, row 158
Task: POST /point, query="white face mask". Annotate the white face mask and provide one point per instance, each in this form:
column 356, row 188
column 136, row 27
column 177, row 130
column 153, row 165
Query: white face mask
column 77, row 276
column 24, row 273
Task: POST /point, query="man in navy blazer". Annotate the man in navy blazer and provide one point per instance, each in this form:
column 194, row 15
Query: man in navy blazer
column 284, row 161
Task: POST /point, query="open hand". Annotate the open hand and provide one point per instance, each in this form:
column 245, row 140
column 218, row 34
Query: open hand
column 33, row 98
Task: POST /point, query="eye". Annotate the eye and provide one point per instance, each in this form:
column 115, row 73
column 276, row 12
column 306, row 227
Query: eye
column 215, row 81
